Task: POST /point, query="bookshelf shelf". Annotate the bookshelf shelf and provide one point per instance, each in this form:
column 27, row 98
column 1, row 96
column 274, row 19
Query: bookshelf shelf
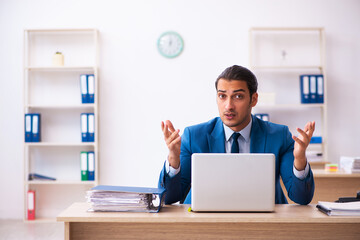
column 54, row 93
column 286, row 29
column 62, row 68
column 284, row 67
column 60, row 144
column 62, row 30
column 41, row 220
column 80, row 106
column 59, row 182
column 289, row 106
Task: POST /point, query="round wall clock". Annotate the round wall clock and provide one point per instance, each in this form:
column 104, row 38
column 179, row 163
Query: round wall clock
column 170, row 44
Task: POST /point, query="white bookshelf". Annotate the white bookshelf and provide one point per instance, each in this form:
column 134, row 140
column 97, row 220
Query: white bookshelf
column 278, row 56
column 54, row 92
column 45, row 182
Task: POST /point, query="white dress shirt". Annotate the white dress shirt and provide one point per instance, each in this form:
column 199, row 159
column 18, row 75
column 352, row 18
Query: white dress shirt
column 244, row 146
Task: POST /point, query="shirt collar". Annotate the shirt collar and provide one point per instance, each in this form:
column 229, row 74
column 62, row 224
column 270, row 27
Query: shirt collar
column 245, row 132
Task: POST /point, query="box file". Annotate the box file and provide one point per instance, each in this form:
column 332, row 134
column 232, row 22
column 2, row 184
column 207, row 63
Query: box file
column 320, row 89
column 84, row 166
column 313, row 89
column 305, row 89
column 91, row 127
column 28, row 127
column 262, row 116
column 91, row 88
column 36, row 123
column 316, row 140
column 84, row 88
column 91, row 166
column 84, row 127
column 31, row 205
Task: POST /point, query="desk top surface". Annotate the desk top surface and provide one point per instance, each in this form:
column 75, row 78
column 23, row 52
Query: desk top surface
column 77, row 212
column 322, row 173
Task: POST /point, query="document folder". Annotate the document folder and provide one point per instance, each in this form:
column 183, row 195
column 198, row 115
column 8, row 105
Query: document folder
column 106, row 198
column 84, row 88
column 320, row 89
column 313, row 91
column 305, row 89
column 36, row 133
column 91, row 166
column 28, row 127
column 262, row 116
column 35, row 176
column 84, row 166
column 91, row 127
column 31, row 205
column 84, row 127
column 91, row 88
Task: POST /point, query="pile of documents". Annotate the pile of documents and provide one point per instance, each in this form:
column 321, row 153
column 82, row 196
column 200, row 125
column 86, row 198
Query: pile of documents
column 339, row 209
column 105, row 198
column 350, row 164
column 356, row 166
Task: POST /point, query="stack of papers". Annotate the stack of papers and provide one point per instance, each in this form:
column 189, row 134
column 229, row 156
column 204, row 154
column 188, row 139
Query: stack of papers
column 105, row 198
column 356, row 166
column 350, row 164
column 339, row 209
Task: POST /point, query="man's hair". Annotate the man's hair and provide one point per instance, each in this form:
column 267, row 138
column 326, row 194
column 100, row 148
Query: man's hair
column 239, row 73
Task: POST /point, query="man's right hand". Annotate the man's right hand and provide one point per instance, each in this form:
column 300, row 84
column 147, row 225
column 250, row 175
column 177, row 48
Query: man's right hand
column 173, row 142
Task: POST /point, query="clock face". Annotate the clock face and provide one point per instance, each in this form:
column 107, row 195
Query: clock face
column 170, row 44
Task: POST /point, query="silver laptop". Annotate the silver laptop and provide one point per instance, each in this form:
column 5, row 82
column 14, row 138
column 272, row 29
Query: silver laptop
column 233, row 182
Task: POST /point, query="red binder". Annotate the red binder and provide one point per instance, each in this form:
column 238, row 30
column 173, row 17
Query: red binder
column 31, row 205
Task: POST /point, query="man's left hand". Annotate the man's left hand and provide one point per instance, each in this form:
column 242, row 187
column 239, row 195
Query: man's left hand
column 301, row 143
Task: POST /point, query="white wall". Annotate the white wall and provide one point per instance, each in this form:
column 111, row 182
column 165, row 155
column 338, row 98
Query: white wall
column 140, row 88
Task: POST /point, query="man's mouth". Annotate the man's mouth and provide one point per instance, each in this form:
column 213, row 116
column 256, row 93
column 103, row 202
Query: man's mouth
column 229, row 116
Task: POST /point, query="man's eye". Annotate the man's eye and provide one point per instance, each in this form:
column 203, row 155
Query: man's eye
column 239, row 96
column 222, row 96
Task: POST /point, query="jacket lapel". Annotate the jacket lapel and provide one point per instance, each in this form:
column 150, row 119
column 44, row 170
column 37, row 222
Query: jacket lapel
column 258, row 137
column 216, row 138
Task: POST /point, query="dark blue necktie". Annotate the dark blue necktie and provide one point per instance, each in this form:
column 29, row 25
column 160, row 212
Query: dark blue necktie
column 235, row 144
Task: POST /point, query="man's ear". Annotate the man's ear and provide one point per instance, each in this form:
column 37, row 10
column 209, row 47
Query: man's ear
column 254, row 99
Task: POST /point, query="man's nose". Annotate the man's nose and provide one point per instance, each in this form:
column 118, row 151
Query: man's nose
column 229, row 104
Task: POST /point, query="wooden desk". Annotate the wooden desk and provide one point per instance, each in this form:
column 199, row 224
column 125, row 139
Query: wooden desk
column 329, row 186
column 289, row 221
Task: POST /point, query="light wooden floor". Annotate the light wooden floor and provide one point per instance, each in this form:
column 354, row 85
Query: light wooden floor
column 18, row 229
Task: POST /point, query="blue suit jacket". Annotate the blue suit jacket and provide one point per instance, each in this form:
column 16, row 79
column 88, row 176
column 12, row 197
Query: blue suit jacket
column 266, row 137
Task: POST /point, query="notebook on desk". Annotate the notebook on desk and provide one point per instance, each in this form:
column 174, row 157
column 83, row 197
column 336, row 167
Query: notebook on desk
column 233, row 182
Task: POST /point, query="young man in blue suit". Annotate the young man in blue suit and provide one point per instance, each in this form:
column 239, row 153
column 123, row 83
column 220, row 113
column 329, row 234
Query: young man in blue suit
column 236, row 96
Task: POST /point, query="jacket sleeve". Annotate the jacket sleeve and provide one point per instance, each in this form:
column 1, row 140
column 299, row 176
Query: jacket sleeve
column 177, row 187
column 299, row 191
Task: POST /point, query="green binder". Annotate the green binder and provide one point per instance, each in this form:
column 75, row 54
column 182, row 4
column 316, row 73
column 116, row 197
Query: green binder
column 84, row 166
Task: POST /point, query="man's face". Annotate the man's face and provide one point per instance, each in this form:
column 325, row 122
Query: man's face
column 234, row 103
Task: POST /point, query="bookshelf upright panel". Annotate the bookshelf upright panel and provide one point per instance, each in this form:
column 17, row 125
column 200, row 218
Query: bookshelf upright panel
column 53, row 90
